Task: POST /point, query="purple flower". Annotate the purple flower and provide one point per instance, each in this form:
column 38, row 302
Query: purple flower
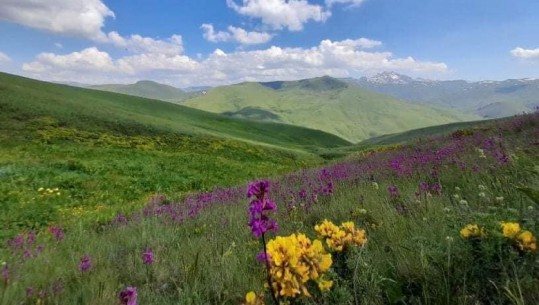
column 27, row 254
column 85, row 264
column 31, row 237
column 259, row 221
column 258, row 189
column 263, row 256
column 5, row 273
column 423, row 186
column 148, row 257
column 57, row 232
column 16, row 242
column 393, row 191
column 40, row 249
column 128, row 296
column 437, row 188
column 120, row 219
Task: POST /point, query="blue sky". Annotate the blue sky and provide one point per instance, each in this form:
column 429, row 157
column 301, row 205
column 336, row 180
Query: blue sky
column 214, row 42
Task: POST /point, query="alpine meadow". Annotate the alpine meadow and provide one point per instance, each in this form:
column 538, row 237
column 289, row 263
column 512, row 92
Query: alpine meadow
column 257, row 152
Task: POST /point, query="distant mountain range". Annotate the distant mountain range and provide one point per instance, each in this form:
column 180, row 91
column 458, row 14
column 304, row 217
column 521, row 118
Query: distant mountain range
column 326, row 104
column 147, row 89
column 489, row 99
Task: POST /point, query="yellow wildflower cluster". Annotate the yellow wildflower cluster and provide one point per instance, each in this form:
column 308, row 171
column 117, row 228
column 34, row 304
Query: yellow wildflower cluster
column 524, row 239
column 340, row 238
column 252, row 299
column 295, row 260
column 48, row 191
column 472, row 231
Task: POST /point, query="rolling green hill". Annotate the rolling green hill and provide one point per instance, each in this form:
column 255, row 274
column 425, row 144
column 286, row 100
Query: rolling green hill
column 148, row 89
column 105, row 111
column 109, row 152
column 323, row 103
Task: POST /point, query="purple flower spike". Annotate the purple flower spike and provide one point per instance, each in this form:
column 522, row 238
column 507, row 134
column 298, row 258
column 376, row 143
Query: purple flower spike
column 128, row 296
column 85, row 264
column 148, row 257
column 258, row 189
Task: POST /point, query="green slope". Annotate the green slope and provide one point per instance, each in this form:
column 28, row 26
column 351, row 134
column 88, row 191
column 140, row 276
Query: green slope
column 148, row 89
column 98, row 110
column 326, row 104
column 109, row 152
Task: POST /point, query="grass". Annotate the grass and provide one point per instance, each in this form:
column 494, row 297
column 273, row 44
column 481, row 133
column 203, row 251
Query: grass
column 205, row 254
column 108, row 152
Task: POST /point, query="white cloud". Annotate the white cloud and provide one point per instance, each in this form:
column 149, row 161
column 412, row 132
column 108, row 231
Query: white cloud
column 279, row 14
column 81, row 18
column 235, row 34
column 347, row 58
column 87, row 60
column 138, row 44
column 525, row 53
column 330, row 3
column 4, row 58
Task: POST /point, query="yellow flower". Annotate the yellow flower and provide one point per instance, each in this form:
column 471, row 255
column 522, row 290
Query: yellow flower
column 325, row 285
column 472, row 230
column 510, row 229
column 326, row 228
column 252, row 299
column 526, row 241
column 340, row 238
column 294, row 261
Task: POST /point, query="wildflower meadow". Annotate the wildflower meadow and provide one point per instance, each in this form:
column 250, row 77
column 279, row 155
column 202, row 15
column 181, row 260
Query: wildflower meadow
column 449, row 219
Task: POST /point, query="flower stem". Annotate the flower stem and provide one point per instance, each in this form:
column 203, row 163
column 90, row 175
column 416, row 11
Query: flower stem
column 273, row 297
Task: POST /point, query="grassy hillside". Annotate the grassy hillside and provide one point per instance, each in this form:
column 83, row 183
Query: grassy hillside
column 107, row 152
column 148, row 89
column 323, row 103
column 427, row 229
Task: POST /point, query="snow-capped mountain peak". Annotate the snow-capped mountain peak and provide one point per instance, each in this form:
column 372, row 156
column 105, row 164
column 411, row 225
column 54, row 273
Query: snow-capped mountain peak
column 389, row 78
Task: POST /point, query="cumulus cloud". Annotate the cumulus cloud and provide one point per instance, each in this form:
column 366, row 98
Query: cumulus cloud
column 346, row 58
column 234, row 34
column 279, row 14
column 4, row 58
column 138, row 44
column 330, row 3
column 82, row 18
column 522, row 53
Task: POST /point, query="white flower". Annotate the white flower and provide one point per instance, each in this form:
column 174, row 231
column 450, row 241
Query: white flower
column 447, row 210
column 449, row 238
column 457, row 189
column 456, row 196
column 499, row 199
column 375, row 185
column 463, row 202
column 482, row 187
column 482, row 195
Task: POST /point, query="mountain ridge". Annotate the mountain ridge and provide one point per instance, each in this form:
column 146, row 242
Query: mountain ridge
column 489, row 99
column 323, row 103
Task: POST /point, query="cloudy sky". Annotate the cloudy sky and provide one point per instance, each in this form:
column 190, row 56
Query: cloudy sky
column 213, row 42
